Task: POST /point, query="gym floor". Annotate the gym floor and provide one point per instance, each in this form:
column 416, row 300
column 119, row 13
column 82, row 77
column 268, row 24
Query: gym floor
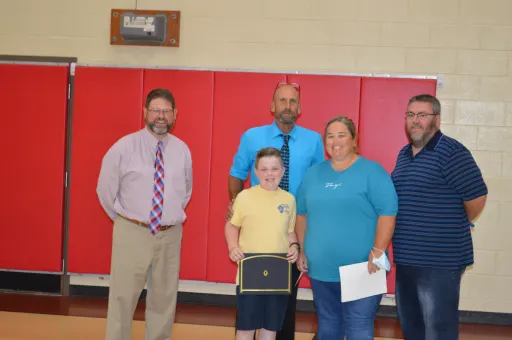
column 30, row 316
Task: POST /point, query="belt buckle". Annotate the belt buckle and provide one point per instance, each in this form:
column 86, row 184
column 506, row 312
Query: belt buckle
column 166, row 227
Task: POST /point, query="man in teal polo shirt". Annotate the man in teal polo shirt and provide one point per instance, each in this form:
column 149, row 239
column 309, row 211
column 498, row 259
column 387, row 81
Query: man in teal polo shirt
column 300, row 149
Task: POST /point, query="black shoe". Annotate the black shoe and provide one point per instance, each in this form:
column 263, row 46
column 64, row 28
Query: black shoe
column 314, row 338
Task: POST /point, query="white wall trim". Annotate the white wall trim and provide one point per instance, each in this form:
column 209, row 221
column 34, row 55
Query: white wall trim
column 202, row 287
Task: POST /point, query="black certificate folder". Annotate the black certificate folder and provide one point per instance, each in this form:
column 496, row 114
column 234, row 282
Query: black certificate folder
column 265, row 274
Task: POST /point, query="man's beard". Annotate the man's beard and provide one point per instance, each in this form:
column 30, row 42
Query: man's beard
column 159, row 131
column 288, row 120
column 424, row 137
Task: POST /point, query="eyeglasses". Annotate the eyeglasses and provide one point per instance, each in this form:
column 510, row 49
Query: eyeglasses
column 284, row 83
column 158, row 111
column 421, row 115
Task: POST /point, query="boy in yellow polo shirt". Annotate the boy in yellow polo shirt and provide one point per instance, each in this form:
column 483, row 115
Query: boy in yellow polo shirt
column 263, row 221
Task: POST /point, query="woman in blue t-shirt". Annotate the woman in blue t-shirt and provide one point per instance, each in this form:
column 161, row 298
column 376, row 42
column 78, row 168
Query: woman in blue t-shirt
column 346, row 208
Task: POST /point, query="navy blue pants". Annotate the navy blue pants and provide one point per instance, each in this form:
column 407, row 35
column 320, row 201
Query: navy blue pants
column 352, row 319
column 260, row 311
column 427, row 301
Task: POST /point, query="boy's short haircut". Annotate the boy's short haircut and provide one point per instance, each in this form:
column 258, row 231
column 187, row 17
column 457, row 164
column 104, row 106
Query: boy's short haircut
column 268, row 152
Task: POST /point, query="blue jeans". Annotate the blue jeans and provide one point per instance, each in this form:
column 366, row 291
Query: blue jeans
column 352, row 319
column 427, row 301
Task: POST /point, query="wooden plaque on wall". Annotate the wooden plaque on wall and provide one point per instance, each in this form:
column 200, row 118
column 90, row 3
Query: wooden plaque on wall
column 145, row 27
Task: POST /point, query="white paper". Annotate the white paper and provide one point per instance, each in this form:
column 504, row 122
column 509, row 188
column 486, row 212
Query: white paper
column 357, row 283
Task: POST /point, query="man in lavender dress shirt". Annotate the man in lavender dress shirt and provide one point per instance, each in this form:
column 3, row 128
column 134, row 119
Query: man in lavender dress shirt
column 144, row 249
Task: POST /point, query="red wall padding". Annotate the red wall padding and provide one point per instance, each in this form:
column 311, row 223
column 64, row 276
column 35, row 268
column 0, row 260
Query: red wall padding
column 193, row 91
column 241, row 101
column 322, row 98
column 32, row 175
column 325, row 97
column 107, row 105
column 382, row 118
column 214, row 109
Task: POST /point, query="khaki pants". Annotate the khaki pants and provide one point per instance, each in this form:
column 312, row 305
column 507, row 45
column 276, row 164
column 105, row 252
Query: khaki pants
column 139, row 258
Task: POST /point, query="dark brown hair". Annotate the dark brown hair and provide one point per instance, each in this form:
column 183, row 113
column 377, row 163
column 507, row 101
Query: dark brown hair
column 345, row 121
column 160, row 93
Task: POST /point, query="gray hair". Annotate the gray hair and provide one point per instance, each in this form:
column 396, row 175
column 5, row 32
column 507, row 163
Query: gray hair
column 427, row 98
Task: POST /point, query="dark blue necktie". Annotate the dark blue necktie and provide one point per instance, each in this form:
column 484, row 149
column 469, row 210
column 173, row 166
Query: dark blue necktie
column 285, row 154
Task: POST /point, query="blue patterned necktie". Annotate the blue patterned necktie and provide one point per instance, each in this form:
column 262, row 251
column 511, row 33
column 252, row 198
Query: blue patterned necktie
column 158, row 192
column 285, row 154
